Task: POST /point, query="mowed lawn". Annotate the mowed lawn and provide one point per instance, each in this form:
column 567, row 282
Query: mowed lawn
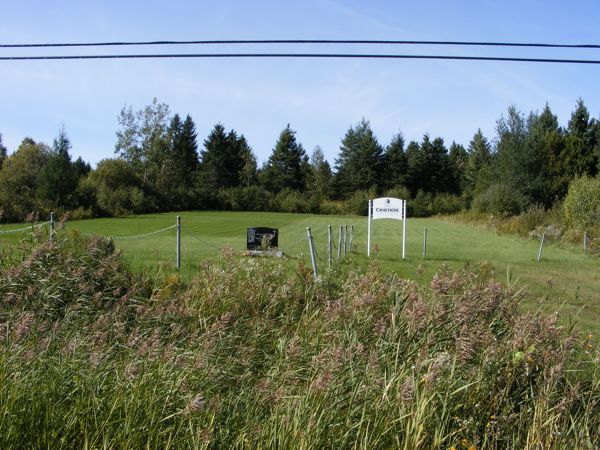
column 564, row 280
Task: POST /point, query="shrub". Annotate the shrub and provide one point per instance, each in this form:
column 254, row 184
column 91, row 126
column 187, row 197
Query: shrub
column 582, row 203
column 249, row 198
column 289, row 201
column 421, row 205
column 500, row 199
column 358, row 203
column 445, row 203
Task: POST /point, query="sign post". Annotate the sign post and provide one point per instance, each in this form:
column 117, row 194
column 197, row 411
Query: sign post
column 387, row 208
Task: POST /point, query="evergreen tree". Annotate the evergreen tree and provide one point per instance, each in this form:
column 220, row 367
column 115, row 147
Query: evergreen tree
column 428, row 167
column 319, row 184
column 478, row 173
column 222, row 160
column 458, row 160
column 582, row 144
column 545, row 144
column 179, row 164
column 512, row 163
column 395, row 163
column 287, row 166
column 186, row 151
column 57, row 180
column 248, row 174
column 359, row 165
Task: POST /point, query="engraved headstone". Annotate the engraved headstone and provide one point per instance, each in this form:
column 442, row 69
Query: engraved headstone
column 262, row 238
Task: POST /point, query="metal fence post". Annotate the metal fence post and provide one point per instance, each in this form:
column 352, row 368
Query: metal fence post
column 585, row 242
column 425, row 243
column 311, row 247
column 51, row 227
column 351, row 233
column 340, row 244
column 329, row 245
column 345, row 238
column 178, row 242
column 541, row 247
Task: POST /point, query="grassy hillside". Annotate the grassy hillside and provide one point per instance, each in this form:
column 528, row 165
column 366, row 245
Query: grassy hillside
column 564, row 280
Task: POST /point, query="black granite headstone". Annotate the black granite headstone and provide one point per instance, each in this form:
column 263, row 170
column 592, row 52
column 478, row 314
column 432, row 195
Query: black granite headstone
column 262, row 238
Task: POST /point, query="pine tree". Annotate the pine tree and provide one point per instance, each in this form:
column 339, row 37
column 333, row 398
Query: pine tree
column 582, row 145
column 395, row 163
column 429, row 167
column 511, row 166
column 57, row 180
column 287, row 166
column 359, row 165
column 458, row 159
column 545, row 144
column 319, row 184
column 248, row 174
column 478, row 175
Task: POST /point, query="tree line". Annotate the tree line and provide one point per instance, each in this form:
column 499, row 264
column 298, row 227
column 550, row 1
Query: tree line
column 160, row 166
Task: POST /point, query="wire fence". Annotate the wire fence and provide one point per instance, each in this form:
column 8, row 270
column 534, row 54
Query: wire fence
column 328, row 251
column 27, row 228
column 132, row 236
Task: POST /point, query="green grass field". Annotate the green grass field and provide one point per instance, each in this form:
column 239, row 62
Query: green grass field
column 565, row 279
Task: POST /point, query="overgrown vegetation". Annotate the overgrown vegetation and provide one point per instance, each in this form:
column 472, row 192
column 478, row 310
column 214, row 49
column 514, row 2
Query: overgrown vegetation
column 248, row 355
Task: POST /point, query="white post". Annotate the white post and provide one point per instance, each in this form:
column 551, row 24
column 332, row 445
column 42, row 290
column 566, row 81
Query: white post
column 51, row 227
column 345, row 238
column 351, row 233
column 311, row 247
column 369, row 231
column 340, row 243
column 425, row 243
column 541, row 247
column 178, row 242
column 403, row 228
column 329, row 245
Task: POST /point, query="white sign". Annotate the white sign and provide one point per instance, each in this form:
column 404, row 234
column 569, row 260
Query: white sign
column 388, row 208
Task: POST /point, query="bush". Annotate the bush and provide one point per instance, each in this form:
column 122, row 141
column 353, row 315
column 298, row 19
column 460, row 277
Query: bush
column 289, row 201
column 445, row 203
column 582, row 203
column 500, row 199
column 421, row 205
column 250, row 198
column 358, row 203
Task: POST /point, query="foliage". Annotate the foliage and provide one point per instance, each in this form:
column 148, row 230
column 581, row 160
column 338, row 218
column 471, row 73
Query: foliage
column 248, row 355
column 288, row 165
column 19, row 180
column 247, row 198
column 500, row 199
column 582, row 203
column 359, row 165
column 116, row 187
column 58, row 178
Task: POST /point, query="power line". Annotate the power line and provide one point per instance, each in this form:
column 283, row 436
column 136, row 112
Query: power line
column 305, row 41
column 301, row 55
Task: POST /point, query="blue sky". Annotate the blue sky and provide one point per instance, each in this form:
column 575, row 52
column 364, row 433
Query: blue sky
column 320, row 99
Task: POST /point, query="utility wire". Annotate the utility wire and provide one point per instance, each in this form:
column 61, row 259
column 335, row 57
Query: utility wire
column 305, row 41
column 301, row 55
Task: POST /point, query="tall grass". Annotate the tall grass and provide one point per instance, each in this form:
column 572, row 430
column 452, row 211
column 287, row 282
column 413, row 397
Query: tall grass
column 248, row 355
